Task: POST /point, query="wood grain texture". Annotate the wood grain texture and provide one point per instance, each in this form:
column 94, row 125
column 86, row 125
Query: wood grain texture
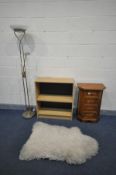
column 55, row 98
column 89, row 101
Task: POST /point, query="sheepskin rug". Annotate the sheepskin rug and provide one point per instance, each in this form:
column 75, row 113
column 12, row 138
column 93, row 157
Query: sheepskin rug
column 58, row 143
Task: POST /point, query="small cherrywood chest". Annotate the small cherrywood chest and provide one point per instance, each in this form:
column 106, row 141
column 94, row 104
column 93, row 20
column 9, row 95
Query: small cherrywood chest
column 89, row 101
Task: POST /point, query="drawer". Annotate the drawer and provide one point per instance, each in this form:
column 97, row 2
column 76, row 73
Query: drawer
column 87, row 114
column 89, row 107
column 91, row 101
column 92, row 94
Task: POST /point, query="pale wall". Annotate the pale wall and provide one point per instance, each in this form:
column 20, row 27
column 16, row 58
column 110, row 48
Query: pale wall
column 65, row 38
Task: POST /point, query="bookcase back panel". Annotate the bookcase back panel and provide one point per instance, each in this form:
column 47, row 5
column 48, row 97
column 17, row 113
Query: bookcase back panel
column 55, row 88
column 56, row 105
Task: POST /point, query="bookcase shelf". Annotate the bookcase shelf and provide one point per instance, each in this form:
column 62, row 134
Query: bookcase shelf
column 54, row 97
column 52, row 112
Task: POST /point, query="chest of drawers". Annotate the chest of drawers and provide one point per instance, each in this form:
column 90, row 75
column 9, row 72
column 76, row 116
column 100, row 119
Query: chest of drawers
column 89, row 101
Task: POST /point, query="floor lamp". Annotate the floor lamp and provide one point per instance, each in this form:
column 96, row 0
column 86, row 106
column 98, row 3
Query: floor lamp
column 19, row 32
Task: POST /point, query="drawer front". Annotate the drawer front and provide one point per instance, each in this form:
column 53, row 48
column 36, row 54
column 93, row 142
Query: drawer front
column 90, row 101
column 89, row 107
column 92, row 93
column 86, row 115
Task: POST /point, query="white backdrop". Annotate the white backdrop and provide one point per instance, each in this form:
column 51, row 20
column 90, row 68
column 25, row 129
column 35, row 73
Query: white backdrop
column 65, row 38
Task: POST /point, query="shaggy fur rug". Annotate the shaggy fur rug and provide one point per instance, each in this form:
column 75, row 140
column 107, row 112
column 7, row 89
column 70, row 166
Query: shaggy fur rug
column 58, row 143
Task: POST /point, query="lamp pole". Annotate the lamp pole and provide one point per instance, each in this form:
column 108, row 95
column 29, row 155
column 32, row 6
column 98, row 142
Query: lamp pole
column 19, row 32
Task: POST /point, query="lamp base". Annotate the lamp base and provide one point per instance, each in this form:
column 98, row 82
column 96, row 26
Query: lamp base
column 28, row 114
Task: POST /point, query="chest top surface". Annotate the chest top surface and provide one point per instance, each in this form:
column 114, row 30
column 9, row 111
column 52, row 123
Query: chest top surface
column 91, row 86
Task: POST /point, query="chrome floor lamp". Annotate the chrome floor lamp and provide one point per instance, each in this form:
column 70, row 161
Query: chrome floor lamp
column 19, row 32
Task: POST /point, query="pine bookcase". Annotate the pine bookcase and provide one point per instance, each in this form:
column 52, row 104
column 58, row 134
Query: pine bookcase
column 54, row 97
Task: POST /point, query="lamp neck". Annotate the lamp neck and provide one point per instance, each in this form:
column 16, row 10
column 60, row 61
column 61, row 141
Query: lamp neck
column 17, row 36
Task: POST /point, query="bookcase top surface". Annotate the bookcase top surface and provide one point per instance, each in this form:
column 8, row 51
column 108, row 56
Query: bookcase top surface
column 54, row 80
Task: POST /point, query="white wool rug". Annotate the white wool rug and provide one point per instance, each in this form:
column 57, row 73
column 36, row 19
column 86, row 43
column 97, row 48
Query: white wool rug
column 58, row 143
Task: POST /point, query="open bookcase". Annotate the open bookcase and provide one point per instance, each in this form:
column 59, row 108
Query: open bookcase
column 54, row 97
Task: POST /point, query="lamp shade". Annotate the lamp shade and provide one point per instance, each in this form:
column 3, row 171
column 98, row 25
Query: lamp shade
column 18, row 28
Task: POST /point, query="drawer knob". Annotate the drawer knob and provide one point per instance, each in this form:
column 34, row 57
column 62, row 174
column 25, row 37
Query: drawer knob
column 89, row 93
